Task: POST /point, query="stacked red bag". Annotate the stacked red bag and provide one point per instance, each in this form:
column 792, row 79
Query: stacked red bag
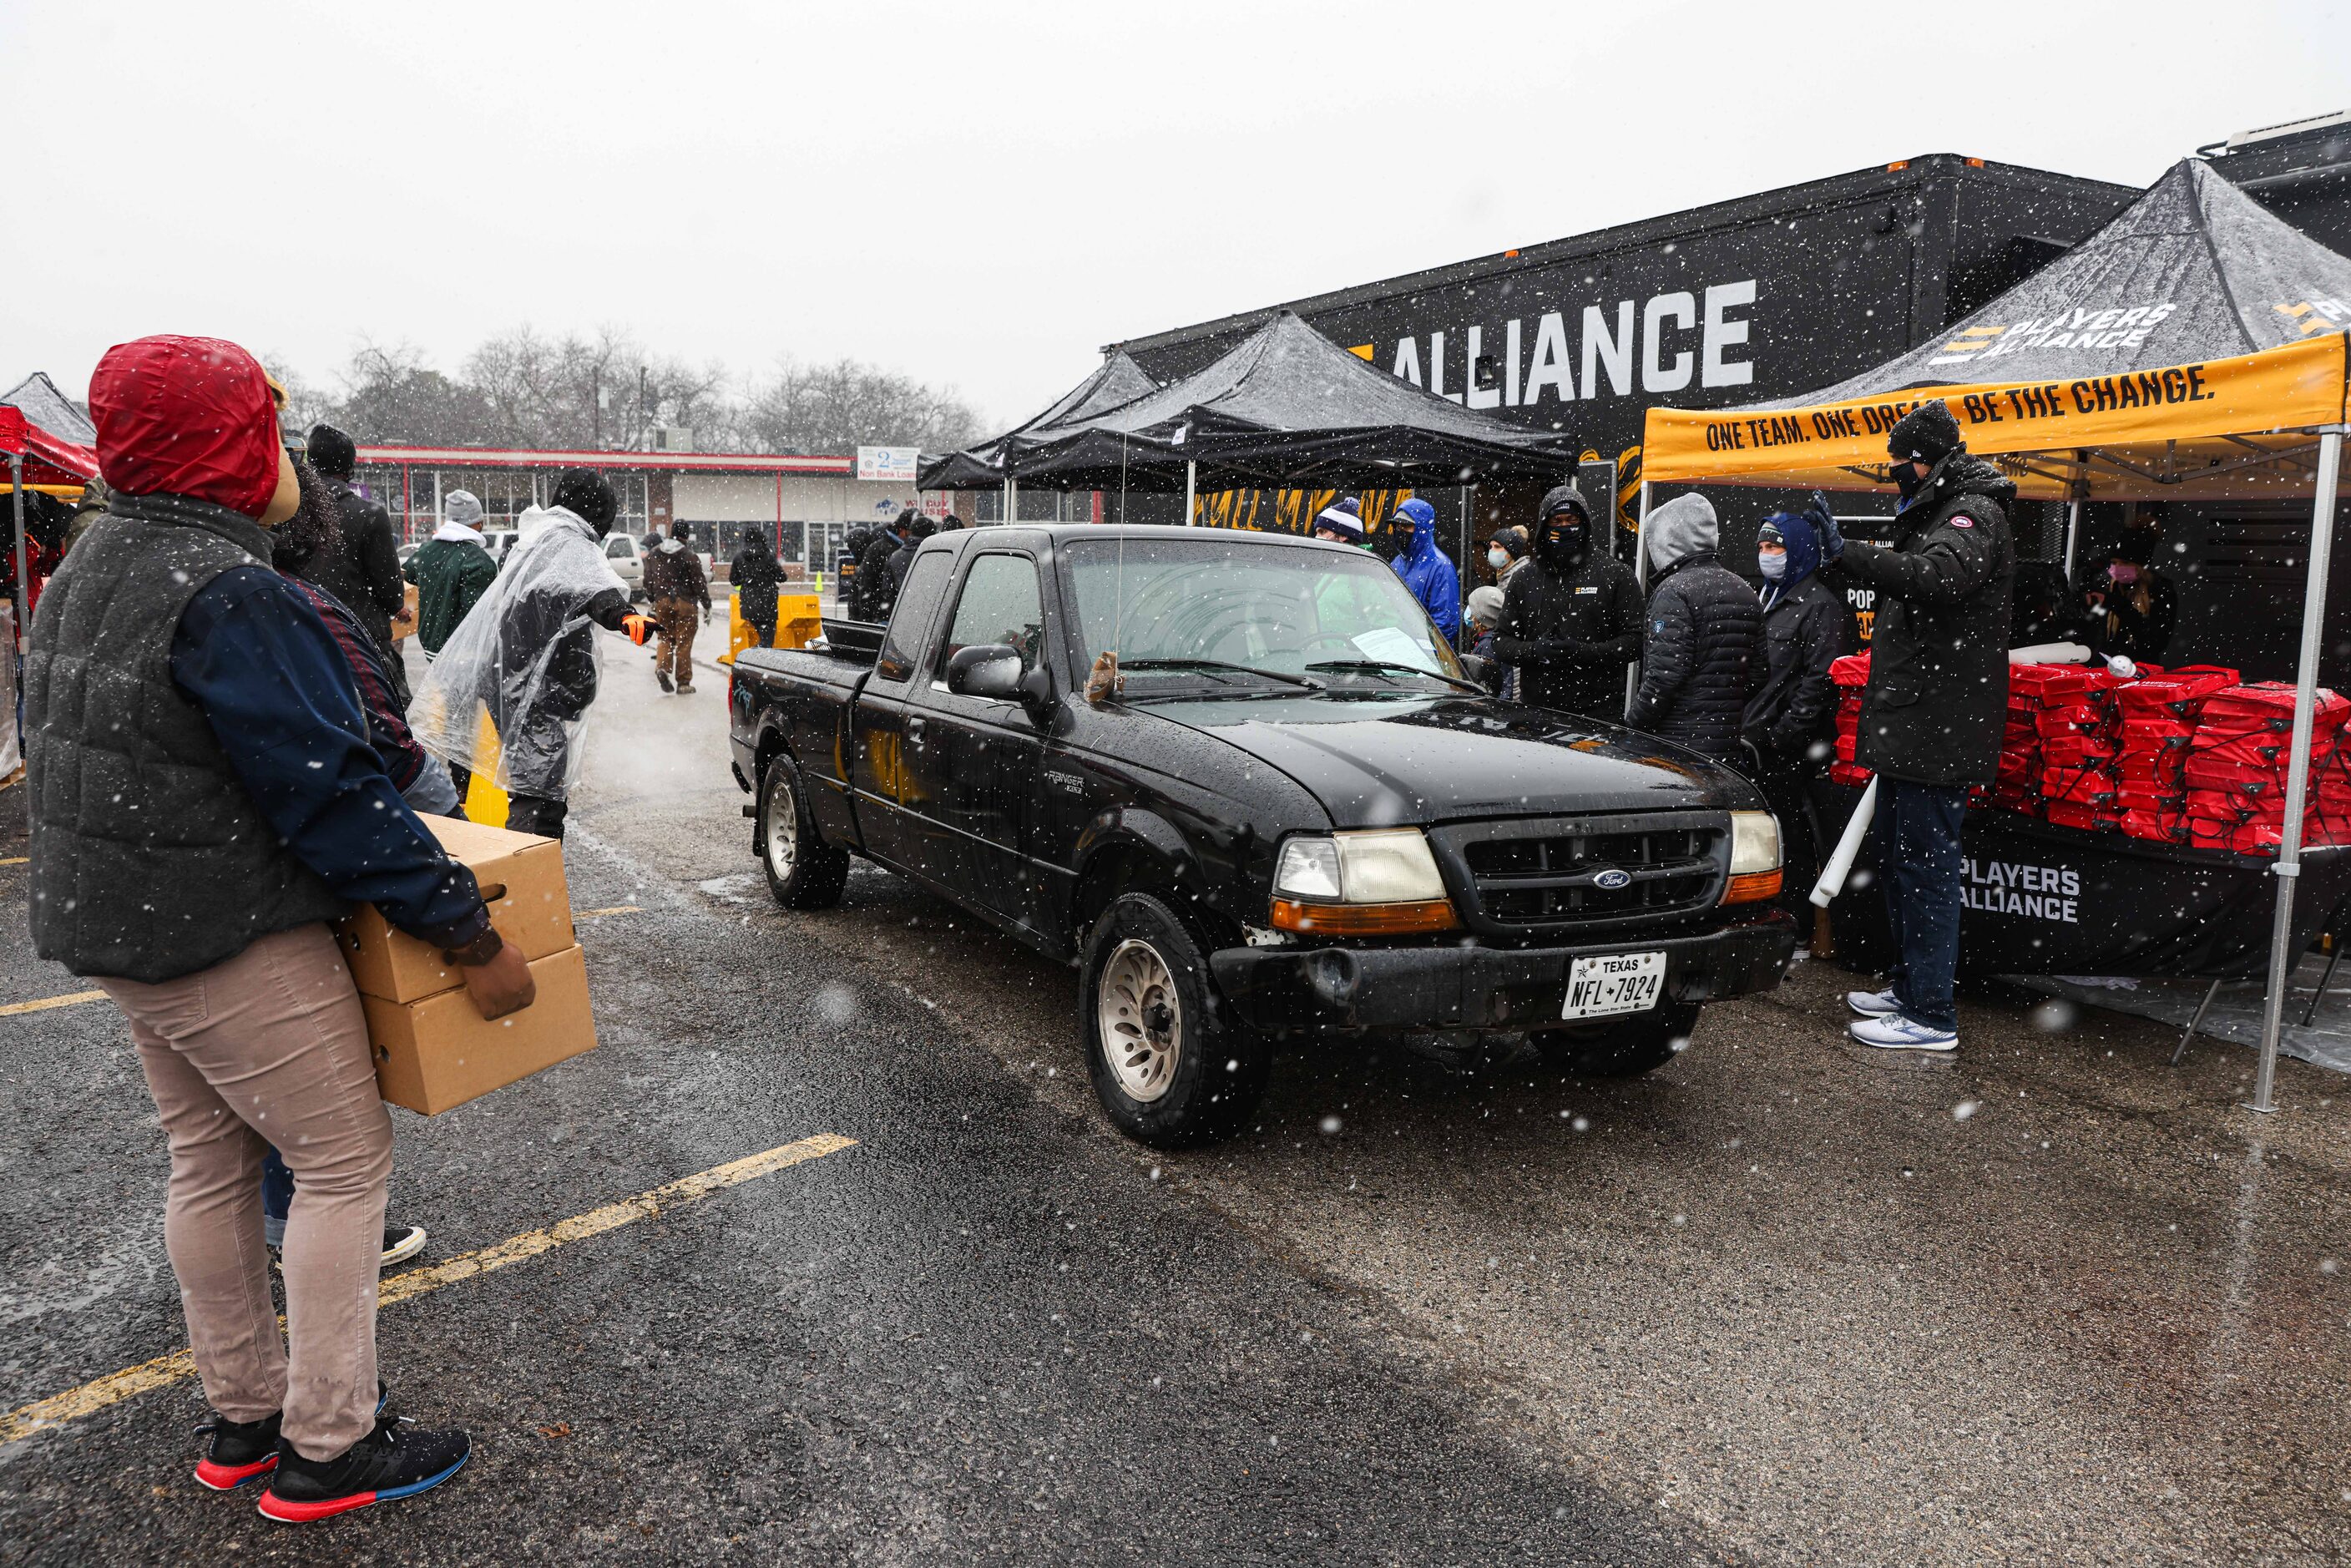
column 1851, row 674
column 2235, row 773
column 2160, row 715
column 2061, row 743
column 2185, row 756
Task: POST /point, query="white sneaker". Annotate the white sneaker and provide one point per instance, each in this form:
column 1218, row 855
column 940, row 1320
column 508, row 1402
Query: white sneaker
column 1896, row 1032
column 1872, row 1004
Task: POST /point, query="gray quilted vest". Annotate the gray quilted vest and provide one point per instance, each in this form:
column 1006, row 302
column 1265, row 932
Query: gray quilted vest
column 150, row 861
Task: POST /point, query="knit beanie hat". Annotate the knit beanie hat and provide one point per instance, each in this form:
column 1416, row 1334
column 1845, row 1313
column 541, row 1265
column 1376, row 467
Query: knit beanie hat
column 1563, row 498
column 1346, row 525
column 463, row 508
column 333, row 453
column 1927, row 432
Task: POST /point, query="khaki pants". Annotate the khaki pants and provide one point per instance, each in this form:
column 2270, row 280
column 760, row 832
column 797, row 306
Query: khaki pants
column 270, row 1047
column 678, row 618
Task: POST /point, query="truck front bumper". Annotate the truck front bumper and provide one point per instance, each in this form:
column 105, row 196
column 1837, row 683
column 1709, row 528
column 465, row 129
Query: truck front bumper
column 1285, row 988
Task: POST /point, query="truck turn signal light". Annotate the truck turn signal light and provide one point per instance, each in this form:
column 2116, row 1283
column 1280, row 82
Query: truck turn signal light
column 1364, row 919
column 1752, row 888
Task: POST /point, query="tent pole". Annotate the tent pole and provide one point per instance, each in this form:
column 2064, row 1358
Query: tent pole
column 1461, row 578
column 2283, row 958
column 1190, row 474
column 2072, row 532
column 16, row 480
column 1640, row 576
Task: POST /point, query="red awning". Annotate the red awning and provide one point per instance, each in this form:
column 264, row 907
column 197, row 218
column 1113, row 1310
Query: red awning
column 48, row 459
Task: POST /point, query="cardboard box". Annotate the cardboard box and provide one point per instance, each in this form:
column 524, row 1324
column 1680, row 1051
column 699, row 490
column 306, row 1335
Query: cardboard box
column 438, row 1053
column 535, row 915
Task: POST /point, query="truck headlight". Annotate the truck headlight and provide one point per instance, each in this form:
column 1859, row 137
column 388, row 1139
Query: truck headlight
column 1379, row 883
column 1754, row 858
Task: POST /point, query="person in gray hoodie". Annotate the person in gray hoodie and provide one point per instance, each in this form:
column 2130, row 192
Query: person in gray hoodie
column 1702, row 654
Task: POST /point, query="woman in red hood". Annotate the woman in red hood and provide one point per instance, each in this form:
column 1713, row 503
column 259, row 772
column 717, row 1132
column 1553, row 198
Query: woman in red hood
column 205, row 799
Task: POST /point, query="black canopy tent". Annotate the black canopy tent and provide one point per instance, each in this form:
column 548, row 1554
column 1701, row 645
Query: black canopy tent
column 2193, row 348
column 1286, row 406
column 1117, row 381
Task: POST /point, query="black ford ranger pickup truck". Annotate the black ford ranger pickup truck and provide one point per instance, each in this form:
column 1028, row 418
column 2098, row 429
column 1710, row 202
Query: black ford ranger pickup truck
column 1291, row 814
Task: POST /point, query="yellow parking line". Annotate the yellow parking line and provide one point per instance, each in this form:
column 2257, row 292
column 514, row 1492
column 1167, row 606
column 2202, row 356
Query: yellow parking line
column 116, row 1386
column 616, row 909
column 42, row 1004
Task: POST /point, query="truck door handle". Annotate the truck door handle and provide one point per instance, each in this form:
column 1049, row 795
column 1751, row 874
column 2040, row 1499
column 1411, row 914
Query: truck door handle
column 915, row 730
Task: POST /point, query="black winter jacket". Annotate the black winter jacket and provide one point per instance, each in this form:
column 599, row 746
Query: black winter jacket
column 361, row 568
column 755, row 571
column 873, row 593
column 1937, row 694
column 1803, row 634
column 1703, row 654
column 1570, row 631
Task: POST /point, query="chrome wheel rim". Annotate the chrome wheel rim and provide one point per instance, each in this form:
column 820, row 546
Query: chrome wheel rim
column 782, row 837
column 1140, row 1020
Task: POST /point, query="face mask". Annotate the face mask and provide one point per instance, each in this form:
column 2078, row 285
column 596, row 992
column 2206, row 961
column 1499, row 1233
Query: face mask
column 1496, row 558
column 1774, row 564
column 2122, row 573
column 1567, row 539
column 1908, row 479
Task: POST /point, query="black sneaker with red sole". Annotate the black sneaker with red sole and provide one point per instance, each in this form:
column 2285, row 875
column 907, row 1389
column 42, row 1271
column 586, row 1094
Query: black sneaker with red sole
column 396, row 1460
column 240, row 1451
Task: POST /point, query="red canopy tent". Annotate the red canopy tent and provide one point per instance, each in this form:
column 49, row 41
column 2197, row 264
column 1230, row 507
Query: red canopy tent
column 36, row 457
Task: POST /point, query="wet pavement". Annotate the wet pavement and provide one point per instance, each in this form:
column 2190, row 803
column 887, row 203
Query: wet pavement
column 2060, row 1302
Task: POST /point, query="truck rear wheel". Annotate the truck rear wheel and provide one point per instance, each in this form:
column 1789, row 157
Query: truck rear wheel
column 1168, row 1067
column 1641, row 1044
column 803, row 872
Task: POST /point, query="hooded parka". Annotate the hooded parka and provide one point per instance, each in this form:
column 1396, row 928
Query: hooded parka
column 1805, row 628
column 1703, row 653
column 1937, row 693
column 1570, row 619
column 1428, row 571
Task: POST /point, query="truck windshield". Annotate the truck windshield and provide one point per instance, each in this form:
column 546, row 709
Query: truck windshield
column 1251, row 604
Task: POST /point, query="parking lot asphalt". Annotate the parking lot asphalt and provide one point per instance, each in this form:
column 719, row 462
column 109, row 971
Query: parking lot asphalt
column 979, row 1332
column 1771, row 1303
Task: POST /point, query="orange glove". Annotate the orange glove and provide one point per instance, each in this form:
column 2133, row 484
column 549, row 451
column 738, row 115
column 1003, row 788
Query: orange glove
column 640, row 628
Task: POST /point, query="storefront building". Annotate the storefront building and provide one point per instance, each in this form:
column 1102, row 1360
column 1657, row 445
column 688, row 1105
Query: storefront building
column 804, row 502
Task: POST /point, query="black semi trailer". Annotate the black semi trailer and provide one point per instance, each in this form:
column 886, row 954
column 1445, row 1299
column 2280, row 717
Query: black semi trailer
column 1767, row 296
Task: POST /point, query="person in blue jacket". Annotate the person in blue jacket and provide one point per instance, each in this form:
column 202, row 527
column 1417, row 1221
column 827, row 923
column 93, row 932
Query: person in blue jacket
column 1426, row 570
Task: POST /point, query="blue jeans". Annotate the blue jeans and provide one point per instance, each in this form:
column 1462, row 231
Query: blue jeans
column 1916, row 835
column 276, row 1198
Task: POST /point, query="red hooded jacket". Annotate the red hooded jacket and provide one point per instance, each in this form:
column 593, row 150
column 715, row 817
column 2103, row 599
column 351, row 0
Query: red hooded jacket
column 186, row 416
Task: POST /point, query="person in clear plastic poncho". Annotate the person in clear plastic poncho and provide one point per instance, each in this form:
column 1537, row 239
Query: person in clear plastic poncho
column 524, row 656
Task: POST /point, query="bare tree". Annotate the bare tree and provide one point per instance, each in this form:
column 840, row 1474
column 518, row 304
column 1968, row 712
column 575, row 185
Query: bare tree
column 307, row 403
column 391, row 395
column 604, row 392
column 840, row 406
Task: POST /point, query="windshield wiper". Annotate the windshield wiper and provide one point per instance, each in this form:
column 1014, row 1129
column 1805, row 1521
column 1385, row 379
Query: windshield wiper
column 1215, row 665
column 1382, row 666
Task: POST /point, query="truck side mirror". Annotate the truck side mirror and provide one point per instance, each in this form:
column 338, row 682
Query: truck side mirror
column 987, row 669
column 1037, row 696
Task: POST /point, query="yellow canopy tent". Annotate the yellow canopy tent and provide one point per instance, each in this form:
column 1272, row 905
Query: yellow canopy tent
column 2113, row 387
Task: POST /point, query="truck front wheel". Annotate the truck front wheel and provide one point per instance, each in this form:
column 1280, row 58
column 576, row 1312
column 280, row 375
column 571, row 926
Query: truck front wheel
column 803, row 872
column 1169, row 1068
column 1641, row 1044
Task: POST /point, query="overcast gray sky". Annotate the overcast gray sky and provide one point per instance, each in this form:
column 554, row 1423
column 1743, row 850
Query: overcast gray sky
column 980, row 196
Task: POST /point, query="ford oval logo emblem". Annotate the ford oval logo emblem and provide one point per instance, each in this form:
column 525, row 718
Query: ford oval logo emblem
column 1610, row 880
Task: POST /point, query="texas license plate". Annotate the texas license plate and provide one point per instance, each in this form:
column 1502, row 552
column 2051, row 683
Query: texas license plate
column 1615, row 983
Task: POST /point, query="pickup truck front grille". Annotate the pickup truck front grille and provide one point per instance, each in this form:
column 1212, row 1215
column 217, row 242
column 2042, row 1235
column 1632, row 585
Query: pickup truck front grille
column 1522, row 876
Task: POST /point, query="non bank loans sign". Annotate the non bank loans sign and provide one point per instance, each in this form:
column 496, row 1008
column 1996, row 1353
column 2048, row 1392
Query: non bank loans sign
column 888, row 464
